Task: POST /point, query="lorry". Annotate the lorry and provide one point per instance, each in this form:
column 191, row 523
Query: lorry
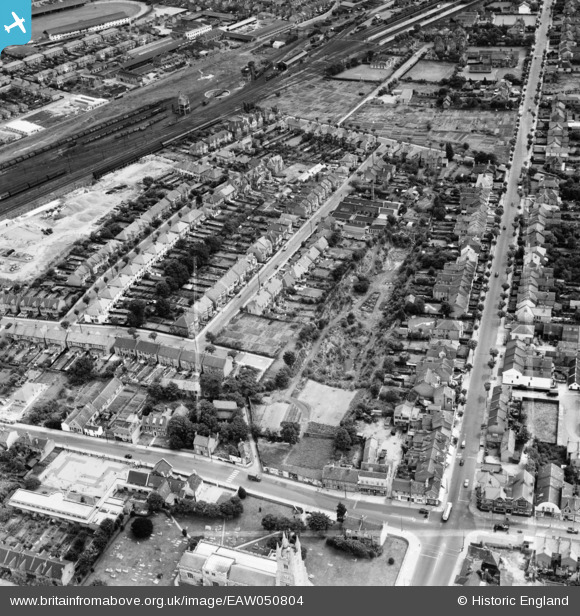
column 255, row 476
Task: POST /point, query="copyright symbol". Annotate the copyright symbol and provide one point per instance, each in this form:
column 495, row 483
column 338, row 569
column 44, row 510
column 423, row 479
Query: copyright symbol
column 462, row 600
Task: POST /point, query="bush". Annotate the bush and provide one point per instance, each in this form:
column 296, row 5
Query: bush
column 354, row 547
column 391, row 560
column 142, row 528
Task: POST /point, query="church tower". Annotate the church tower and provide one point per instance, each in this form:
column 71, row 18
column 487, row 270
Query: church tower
column 291, row 570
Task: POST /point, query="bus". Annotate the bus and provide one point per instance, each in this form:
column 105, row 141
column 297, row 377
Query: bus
column 447, row 512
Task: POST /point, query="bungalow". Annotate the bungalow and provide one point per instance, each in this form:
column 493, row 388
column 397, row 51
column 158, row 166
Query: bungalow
column 448, row 329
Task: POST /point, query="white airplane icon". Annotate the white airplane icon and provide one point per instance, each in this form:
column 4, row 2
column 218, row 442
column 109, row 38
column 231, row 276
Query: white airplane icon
column 17, row 22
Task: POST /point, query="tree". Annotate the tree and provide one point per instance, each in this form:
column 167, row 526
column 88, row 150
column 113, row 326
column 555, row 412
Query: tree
column 136, row 316
column 289, row 358
column 155, row 502
column 242, row 492
column 390, row 396
column 81, row 371
column 449, row 153
column 445, row 308
column 180, row 432
column 211, row 386
column 282, row 379
column 290, row 432
column 342, row 440
column 340, row 512
column 319, row 521
column 493, row 352
column 472, row 344
column 31, row 482
column 142, row 528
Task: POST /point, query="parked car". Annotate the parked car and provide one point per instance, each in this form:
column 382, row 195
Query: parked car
column 504, row 528
column 466, row 483
column 424, row 511
column 128, row 456
column 463, row 445
column 461, row 462
column 572, row 531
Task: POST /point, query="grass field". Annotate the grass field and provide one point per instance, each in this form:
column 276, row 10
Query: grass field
column 329, row 567
column 89, row 11
column 542, row 419
column 365, row 73
column 328, row 405
column 312, row 453
column 430, row 71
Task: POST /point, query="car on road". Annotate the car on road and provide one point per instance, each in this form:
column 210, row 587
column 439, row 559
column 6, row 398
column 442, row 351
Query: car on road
column 466, row 483
column 128, row 456
column 503, row 528
column 424, row 511
column 496, row 274
column 572, row 531
column 461, row 462
column 504, row 227
column 463, row 445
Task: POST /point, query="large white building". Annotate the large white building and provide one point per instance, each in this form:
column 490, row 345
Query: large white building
column 215, row 565
column 197, row 29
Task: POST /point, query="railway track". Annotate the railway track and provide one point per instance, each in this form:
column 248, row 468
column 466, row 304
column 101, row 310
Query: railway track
column 95, row 150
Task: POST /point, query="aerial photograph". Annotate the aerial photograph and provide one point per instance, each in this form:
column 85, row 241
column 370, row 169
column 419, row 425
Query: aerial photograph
column 287, row 293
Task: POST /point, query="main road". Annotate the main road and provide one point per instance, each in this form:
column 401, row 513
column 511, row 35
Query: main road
column 440, row 555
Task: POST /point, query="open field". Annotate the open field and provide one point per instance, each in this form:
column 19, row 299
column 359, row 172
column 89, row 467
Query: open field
column 91, row 10
column 34, row 252
column 430, row 71
column 328, row 405
column 311, row 453
column 542, row 419
column 257, row 334
column 365, row 73
column 327, row 100
column 489, row 131
column 329, row 567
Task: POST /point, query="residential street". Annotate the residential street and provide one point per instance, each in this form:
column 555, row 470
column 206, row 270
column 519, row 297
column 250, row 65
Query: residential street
column 436, row 570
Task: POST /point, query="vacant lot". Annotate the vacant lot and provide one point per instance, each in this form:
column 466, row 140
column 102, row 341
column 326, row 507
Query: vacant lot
column 329, row 567
column 365, row 73
column 429, row 70
column 257, row 335
column 328, row 405
column 271, row 416
column 327, row 100
column 305, row 458
column 312, row 453
column 542, row 419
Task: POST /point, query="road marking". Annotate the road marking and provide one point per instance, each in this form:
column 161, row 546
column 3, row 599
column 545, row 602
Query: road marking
column 429, row 556
column 232, row 476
